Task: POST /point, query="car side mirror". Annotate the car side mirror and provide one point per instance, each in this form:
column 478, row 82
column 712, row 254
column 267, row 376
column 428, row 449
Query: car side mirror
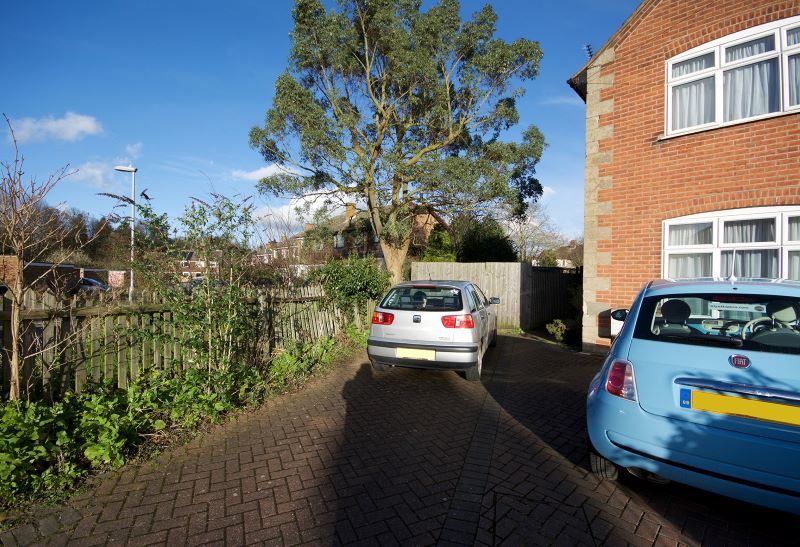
column 619, row 315
column 494, row 300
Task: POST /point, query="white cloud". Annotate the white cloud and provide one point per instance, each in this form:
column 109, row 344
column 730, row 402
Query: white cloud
column 548, row 191
column 72, row 127
column 261, row 173
column 563, row 100
column 134, row 150
column 98, row 174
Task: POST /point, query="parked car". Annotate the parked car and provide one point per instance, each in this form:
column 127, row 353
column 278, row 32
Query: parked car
column 702, row 386
column 434, row 325
column 87, row 284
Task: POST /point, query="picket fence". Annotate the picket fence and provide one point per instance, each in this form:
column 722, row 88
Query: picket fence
column 68, row 343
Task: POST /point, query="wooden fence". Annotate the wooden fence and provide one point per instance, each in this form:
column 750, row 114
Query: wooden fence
column 70, row 342
column 529, row 296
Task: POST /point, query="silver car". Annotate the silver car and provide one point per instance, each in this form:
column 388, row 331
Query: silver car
column 433, row 324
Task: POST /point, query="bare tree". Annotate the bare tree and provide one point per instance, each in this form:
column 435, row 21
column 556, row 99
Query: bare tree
column 30, row 231
column 534, row 232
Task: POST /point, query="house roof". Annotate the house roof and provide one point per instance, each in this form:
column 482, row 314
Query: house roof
column 578, row 82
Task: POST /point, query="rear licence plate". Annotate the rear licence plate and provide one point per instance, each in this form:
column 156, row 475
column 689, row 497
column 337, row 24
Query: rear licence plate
column 409, row 353
column 738, row 406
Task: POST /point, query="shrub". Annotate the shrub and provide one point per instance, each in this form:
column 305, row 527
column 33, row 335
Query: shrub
column 557, row 329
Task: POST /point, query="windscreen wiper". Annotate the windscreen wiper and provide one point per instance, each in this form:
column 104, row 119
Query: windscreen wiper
column 724, row 340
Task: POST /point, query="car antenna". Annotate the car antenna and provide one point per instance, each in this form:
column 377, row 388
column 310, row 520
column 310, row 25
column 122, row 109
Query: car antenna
column 732, row 277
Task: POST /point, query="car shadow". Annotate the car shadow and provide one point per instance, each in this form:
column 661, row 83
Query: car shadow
column 406, row 434
column 542, row 389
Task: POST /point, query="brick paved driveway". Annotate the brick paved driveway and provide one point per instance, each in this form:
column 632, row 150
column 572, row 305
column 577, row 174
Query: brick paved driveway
column 405, row 457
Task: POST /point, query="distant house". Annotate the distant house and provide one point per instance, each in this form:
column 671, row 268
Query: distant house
column 192, row 267
column 692, row 150
column 347, row 234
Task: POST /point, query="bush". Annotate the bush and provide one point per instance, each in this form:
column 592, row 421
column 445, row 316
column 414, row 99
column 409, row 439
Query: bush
column 557, row 329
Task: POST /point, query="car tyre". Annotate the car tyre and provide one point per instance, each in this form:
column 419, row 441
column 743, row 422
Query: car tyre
column 493, row 343
column 602, row 468
column 473, row 374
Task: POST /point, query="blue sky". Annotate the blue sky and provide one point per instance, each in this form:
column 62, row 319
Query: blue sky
column 174, row 87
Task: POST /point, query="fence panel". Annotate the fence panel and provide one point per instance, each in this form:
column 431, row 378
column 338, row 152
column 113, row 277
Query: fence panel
column 90, row 339
column 554, row 294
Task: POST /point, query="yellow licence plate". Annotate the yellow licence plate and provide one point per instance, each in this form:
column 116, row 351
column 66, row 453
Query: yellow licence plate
column 745, row 408
column 409, row 353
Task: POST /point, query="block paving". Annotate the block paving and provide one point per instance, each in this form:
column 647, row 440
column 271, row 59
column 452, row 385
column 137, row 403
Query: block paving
column 406, row 457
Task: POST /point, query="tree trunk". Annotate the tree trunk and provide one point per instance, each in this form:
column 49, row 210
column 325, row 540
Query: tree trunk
column 16, row 347
column 395, row 257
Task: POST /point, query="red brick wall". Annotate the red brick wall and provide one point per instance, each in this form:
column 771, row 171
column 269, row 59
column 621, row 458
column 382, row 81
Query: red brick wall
column 745, row 165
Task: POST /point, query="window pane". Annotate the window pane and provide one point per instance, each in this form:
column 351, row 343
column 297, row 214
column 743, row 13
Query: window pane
column 689, row 265
column 691, row 234
column 761, row 263
column 793, row 37
column 794, row 265
column 751, row 90
column 794, row 229
column 749, row 231
column 691, row 66
column 794, row 80
column 693, row 103
column 748, row 49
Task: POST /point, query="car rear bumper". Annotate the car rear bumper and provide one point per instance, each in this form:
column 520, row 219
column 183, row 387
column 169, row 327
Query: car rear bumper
column 630, row 437
column 455, row 356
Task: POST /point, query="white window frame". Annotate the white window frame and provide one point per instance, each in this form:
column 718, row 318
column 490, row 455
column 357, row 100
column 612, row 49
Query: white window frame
column 782, row 244
column 782, row 52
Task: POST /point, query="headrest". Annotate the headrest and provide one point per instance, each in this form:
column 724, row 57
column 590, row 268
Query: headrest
column 782, row 310
column 675, row 311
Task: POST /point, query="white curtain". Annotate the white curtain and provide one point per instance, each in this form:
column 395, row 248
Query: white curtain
column 793, row 37
column 794, row 80
column 794, row 229
column 751, row 90
column 794, row 265
column 749, row 231
column 759, row 263
column 693, row 103
column 693, row 65
column 748, row 49
column 691, row 234
column 689, row 265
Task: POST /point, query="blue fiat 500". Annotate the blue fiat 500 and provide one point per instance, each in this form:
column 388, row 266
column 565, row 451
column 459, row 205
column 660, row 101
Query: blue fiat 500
column 702, row 386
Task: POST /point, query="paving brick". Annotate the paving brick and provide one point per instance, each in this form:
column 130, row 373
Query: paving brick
column 406, row 457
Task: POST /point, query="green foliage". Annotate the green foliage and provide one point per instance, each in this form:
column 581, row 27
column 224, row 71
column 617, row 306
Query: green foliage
column 439, row 247
column 298, row 360
column 401, row 109
column 481, row 240
column 557, row 329
column 548, row 258
column 352, row 283
column 357, row 336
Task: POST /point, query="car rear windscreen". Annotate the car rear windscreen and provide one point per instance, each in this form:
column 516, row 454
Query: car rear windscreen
column 424, row 298
column 758, row 322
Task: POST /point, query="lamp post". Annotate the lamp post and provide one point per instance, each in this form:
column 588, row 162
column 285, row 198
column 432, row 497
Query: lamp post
column 132, row 170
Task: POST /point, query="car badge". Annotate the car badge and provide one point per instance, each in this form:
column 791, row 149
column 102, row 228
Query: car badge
column 739, row 361
column 417, row 319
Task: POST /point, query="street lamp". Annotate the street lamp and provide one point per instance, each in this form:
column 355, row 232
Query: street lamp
column 132, row 170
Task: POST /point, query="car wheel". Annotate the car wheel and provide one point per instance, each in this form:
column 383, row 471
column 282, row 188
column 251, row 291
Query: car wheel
column 493, row 343
column 377, row 367
column 602, row 468
column 473, row 374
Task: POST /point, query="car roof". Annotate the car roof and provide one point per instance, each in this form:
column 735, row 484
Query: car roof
column 447, row 282
column 783, row 287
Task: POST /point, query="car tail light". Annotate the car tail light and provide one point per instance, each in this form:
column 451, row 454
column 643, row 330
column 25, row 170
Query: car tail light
column 382, row 318
column 458, row 322
column 621, row 381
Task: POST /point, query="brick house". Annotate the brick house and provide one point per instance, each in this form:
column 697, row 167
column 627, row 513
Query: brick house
column 692, row 149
